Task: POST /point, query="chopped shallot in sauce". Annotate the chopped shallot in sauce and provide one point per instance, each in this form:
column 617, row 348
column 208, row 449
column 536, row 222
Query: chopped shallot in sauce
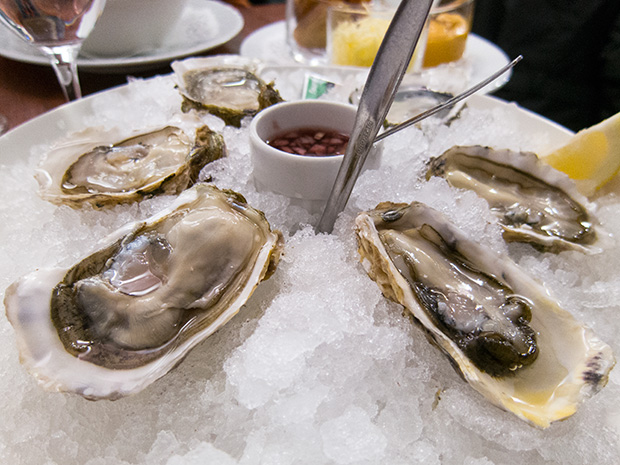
column 313, row 142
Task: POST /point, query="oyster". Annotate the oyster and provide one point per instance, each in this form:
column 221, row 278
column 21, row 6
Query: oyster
column 104, row 168
column 504, row 333
column 534, row 202
column 128, row 313
column 227, row 86
column 411, row 101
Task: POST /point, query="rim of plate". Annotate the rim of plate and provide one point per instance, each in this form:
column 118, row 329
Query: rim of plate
column 69, row 118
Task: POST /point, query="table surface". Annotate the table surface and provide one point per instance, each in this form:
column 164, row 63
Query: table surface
column 28, row 90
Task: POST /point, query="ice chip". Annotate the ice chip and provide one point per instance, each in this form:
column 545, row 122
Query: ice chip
column 353, row 437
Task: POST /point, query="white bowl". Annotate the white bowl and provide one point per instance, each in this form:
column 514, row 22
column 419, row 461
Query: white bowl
column 307, row 180
column 129, row 27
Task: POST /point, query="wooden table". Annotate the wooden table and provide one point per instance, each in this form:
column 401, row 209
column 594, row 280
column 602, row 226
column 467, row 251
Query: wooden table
column 28, row 90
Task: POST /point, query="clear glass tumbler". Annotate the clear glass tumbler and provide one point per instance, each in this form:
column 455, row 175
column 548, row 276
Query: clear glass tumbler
column 306, row 28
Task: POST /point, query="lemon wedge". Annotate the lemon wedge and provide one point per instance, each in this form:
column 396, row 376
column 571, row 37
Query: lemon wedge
column 591, row 157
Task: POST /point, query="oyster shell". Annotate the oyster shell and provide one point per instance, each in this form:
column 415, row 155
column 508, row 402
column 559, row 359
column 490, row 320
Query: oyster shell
column 504, row 333
column 227, row 86
column 533, row 202
column 128, row 313
column 103, row 168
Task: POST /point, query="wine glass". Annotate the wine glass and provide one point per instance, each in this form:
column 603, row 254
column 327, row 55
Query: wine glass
column 57, row 28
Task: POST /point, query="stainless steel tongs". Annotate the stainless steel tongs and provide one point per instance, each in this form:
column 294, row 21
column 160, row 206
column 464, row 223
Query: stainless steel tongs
column 383, row 80
column 381, row 85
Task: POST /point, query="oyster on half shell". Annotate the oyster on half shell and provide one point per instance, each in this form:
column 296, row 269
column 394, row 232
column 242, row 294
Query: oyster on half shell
column 501, row 329
column 125, row 315
column 227, row 86
column 533, row 202
column 106, row 167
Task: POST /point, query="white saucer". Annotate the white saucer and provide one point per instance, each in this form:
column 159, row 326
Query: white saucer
column 203, row 25
column 483, row 57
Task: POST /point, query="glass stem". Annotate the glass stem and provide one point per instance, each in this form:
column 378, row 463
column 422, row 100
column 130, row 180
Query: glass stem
column 4, row 124
column 63, row 59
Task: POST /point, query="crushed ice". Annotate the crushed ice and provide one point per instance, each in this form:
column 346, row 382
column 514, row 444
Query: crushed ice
column 318, row 368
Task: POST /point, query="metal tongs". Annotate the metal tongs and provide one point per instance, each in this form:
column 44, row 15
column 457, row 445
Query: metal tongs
column 382, row 83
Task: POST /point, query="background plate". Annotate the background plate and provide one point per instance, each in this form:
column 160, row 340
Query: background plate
column 483, row 57
column 203, row 25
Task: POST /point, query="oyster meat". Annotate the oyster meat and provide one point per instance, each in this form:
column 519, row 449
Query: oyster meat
column 104, row 168
column 533, row 202
column 227, row 86
column 128, row 313
column 501, row 329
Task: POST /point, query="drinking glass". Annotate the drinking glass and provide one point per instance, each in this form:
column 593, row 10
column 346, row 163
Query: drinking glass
column 306, row 28
column 57, row 28
column 355, row 33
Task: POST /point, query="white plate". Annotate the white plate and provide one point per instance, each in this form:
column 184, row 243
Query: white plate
column 155, row 435
column 203, row 25
column 484, row 57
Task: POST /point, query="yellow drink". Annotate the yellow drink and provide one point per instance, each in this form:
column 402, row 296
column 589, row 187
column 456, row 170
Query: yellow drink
column 355, row 43
column 355, row 35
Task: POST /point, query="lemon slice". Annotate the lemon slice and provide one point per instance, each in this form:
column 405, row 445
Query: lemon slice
column 591, row 157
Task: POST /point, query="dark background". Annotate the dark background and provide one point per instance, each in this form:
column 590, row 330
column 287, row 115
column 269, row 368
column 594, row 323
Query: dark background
column 570, row 72
column 571, row 48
